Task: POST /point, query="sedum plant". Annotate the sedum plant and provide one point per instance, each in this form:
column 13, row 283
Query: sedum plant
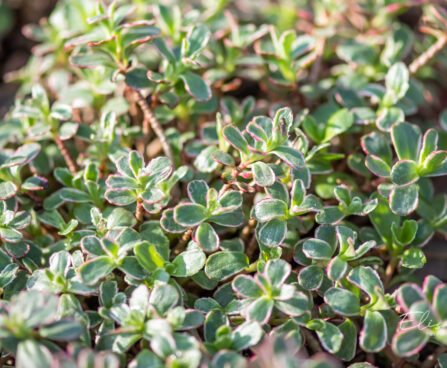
column 226, row 184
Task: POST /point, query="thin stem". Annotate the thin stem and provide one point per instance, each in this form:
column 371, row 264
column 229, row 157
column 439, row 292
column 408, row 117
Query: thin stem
column 316, row 68
column 252, row 246
column 234, row 175
column 68, row 160
column 424, row 58
column 246, row 231
column 389, row 271
column 311, row 341
column 139, row 214
column 225, row 188
column 182, row 242
column 151, row 120
column 33, row 196
column 432, row 359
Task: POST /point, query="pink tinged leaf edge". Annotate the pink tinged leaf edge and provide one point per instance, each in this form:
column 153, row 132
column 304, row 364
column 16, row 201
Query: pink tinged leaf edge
column 99, row 43
column 389, row 204
column 12, row 195
column 407, row 184
column 400, row 299
column 411, row 352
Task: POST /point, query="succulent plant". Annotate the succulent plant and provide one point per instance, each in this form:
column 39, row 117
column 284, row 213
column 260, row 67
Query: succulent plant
column 225, row 184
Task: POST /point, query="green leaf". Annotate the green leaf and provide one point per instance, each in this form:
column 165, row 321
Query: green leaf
column 388, row 117
column 277, row 271
column 8, row 274
column 68, row 130
column 168, row 223
column 137, row 79
column 408, row 294
column 228, row 358
column 337, row 268
column 195, row 41
column 356, row 52
column 163, row 298
column 197, row 191
column 233, row 218
column 190, row 214
column 382, row 217
column 429, row 144
column 398, row 45
column 260, row 310
column 207, row 237
column 349, row 344
column 367, row 280
column 404, row 200
column 440, row 300
column 373, row 336
column 231, row 199
column 290, row 156
column 92, row 60
column 263, row 175
column 397, row 83
column 205, row 161
column 152, row 195
column 407, row 140
column 164, row 50
column 7, row 189
column 298, row 193
column 53, row 218
column 95, row 269
column 247, row 287
column 246, row 335
column 234, row 137
column 295, row 306
column 404, row 172
column 10, row 235
column 222, row 265
column 413, row 258
column 62, row 330
column 376, row 144
column 311, row 277
column 196, row 86
column 338, row 123
column 317, row 249
column 343, row 301
column 442, row 361
column 330, row 215
column 74, row 195
column 435, row 164
column 214, row 319
column 120, row 197
column 35, row 183
column 148, row 256
column 377, row 166
column 223, row 158
column 189, row 262
column 31, row 354
column 146, row 358
column 408, row 342
column 169, row 18
column 329, row 335
column 273, row 232
column 92, row 245
column 269, row 208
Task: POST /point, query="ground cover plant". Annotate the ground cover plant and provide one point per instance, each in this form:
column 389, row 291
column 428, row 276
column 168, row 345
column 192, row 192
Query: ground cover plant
column 226, row 184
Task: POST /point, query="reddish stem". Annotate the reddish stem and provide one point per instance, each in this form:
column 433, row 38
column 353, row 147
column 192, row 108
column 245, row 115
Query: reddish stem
column 68, row 160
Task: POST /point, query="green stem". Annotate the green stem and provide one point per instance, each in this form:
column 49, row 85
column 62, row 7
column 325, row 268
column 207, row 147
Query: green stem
column 252, row 268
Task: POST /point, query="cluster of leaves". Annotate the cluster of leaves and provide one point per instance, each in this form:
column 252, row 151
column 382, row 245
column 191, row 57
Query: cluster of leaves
column 225, row 184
